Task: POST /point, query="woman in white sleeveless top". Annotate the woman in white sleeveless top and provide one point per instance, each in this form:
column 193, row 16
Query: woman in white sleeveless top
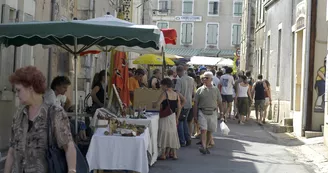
column 242, row 94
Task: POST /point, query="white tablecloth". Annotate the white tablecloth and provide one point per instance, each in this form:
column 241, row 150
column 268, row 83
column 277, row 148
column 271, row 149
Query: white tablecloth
column 118, row 152
column 152, row 123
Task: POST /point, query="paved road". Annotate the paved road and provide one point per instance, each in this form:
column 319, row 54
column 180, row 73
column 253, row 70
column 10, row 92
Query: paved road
column 247, row 149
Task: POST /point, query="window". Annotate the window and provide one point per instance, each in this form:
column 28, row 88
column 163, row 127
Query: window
column 268, row 57
column 237, row 8
column 278, row 59
column 187, row 7
column 186, row 33
column 259, row 11
column 213, row 7
column 236, row 34
column 12, row 15
column 163, row 6
column 212, row 34
column 162, row 25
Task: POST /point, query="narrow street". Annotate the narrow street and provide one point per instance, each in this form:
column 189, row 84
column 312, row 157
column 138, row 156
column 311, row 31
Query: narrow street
column 247, row 149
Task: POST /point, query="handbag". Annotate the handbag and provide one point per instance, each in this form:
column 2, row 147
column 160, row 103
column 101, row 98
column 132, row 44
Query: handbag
column 56, row 157
column 167, row 111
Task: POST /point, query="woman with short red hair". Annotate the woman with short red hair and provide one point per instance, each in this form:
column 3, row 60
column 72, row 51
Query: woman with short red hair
column 28, row 144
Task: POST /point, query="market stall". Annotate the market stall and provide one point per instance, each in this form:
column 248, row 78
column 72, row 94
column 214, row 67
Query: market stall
column 202, row 60
column 78, row 36
column 120, row 146
column 152, row 123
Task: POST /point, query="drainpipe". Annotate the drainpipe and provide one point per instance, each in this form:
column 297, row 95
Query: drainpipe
column 94, row 9
column 52, row 18
column 248, row 40
column 309, row 65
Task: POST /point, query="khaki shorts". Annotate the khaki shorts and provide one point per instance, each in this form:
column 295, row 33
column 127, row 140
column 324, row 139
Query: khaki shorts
column 259, row 105
column 208, row 122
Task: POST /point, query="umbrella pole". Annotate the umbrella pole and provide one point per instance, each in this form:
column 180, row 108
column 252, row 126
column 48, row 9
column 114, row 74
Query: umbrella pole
column 164, row 63
column 75, row 81
column 106, row 71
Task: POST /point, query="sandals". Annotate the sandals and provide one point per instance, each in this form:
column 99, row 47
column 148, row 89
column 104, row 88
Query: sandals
column 171, row 156
column 161, row 158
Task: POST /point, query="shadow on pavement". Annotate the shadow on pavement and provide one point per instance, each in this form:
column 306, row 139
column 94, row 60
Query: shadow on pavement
column 247, row 149
column 253, row 132
column 221, row 160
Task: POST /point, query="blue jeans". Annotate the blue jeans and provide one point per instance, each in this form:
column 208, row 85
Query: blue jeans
column 183, row 130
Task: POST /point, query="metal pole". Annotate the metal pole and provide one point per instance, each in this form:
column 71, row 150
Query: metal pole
column 106, row 70
column 164, row 63
column 75, row 81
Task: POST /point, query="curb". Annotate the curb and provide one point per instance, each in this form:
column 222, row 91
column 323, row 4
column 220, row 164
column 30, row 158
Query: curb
column 281, row 138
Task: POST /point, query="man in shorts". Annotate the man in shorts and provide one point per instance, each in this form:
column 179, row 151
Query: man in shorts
column 227, row 83
column 258, row 91
column 207, row 100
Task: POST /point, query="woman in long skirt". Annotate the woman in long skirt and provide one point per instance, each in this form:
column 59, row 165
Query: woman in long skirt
column 168, row 140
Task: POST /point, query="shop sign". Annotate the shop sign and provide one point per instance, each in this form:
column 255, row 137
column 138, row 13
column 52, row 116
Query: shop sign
column 188, row 18
column 300, row 15
column 238, row 52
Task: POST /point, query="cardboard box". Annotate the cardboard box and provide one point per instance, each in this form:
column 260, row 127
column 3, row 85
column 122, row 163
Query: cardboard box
column 145, row 97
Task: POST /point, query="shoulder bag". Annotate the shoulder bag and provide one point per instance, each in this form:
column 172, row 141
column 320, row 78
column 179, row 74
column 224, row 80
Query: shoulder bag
column 56, row 157
column 167, row 111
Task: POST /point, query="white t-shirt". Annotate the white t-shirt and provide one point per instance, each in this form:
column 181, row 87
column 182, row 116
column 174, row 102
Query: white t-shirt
column 227, row 82
column 216, row 81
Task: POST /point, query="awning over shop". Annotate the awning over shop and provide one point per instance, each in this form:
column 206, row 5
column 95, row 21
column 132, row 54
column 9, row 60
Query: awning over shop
column 226, row 53
column 202, row 60
column 185, row 52
column 209, row 52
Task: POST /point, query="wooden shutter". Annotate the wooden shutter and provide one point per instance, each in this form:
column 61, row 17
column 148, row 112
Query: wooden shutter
column 212, row 33
column 189, row 33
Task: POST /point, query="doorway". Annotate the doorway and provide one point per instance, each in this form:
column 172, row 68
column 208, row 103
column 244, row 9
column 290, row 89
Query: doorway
column 298, row 69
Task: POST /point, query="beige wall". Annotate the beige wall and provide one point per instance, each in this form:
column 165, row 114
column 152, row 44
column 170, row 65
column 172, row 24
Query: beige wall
column 225, row 20
column 26, row 55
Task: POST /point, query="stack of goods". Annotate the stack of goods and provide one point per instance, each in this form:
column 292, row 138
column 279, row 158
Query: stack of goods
column 139, row 114
column 124, row 129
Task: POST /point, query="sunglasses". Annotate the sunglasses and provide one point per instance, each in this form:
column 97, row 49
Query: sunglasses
column 205, row 78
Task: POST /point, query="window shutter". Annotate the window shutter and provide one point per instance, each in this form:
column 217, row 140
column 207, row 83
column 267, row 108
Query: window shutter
column 169, row 6
column 189, row 33
column 5, row 13
column 183, row 33
column 234, row 34
column 235, row 6
column 187, row 7
column 239, row 34
column 212, row 33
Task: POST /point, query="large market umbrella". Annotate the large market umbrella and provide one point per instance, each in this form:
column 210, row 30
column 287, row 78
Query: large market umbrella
column 136, row 48
column 173, row 57
column 151, row 59
column 77, row 36
column 225, row 62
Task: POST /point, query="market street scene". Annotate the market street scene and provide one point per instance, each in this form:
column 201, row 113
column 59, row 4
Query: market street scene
column 163, row 86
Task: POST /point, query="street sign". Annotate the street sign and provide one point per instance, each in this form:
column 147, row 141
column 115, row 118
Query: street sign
column 238, row 52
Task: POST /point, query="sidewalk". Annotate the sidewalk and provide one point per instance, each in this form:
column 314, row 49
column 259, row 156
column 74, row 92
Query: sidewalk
column 311, row 151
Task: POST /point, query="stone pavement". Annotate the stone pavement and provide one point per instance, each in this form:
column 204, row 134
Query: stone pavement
column 248, row 148
column 312, row 151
